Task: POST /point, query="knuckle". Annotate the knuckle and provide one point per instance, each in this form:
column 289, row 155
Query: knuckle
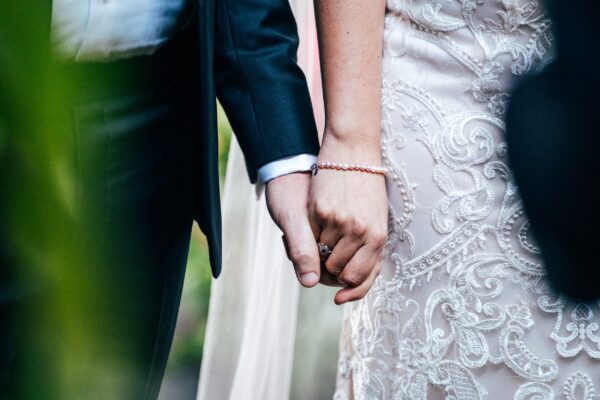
column 359, row 228
column 333, row 268
column 351, row 280
column 339, row 219
column 301, row 257
column 323, row 211
column 379, row 238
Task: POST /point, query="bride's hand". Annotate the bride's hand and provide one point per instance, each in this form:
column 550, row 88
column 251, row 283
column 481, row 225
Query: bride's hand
column 348, row 213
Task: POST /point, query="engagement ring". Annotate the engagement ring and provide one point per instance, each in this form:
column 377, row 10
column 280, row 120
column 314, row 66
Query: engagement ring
column 324, row 250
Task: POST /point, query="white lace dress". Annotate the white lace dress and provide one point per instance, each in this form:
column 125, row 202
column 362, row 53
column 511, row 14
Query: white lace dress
column 461, row 310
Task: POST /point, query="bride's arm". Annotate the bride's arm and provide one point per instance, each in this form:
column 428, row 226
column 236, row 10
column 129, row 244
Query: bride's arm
column 350, row 43
column 349, row 209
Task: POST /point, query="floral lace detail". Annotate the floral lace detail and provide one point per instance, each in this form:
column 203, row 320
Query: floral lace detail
column 462, row 288
column 534, row 391
column 579, row 386
column 577, row 335
column 494, row 36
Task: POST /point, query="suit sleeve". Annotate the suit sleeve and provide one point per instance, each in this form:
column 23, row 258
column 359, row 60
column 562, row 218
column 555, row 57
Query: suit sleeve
column 262, row 89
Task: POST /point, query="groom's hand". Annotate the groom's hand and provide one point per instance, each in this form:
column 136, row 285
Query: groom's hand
column 287, row 198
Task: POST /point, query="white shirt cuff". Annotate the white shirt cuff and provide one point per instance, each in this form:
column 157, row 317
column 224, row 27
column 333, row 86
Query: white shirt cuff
column 284, row 166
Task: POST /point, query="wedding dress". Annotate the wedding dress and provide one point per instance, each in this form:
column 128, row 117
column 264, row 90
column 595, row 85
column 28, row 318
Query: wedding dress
column 461, row 309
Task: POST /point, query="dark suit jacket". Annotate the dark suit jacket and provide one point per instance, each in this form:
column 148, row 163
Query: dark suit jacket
column 248, row 58
column 553, row 132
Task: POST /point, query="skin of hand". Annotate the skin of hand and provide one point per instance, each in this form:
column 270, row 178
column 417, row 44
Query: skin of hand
column 287, row 198
column 348, row 210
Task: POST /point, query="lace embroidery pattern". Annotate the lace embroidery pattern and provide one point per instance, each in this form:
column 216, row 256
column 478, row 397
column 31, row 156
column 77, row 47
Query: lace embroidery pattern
column 579, row 386
column 441, row 312
column 579, row 334
column 493, row 36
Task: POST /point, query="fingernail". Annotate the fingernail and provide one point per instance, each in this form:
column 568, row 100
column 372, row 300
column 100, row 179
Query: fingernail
column 309, row 279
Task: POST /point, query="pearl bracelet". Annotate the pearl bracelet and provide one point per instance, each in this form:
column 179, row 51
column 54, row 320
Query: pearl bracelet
column 370, row 169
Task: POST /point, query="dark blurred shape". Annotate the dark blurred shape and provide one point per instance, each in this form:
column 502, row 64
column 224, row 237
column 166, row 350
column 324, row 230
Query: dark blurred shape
column 137, row 141
column 106, row 164
column 74, row 288
column 553, row 132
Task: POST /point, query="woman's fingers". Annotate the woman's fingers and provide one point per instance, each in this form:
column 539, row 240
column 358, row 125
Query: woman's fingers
column 360, row 272
column 356, row 293
column 342, row 250
column 359, row 267
column 348, row 212
column 356, row 252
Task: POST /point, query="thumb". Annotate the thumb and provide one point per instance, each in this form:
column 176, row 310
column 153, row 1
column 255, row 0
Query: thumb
column 302, row 250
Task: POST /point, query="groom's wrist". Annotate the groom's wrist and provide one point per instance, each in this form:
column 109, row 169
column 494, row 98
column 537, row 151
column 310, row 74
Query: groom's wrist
column 285, row 166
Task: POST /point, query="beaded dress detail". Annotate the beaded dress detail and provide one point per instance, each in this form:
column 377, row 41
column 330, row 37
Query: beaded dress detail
column 461, row 310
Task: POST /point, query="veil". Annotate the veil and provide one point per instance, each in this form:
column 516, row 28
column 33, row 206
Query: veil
column 266, row 338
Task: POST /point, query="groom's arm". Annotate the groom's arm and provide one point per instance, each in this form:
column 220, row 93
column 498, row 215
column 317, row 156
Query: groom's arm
column 265, row 96
column 259, row 84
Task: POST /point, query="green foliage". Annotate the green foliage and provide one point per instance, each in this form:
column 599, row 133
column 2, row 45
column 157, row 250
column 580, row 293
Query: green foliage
column 51, row 258
column 224, row 140
column 188, row 342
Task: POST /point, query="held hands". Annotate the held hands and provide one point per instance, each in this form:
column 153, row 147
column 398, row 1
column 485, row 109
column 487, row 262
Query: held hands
column 345, row 210
column 348, row 214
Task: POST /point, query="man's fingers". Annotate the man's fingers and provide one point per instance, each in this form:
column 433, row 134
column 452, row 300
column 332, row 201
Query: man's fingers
column 286, row 246
column 302, row 250
column 356, row 293
column 315, row 226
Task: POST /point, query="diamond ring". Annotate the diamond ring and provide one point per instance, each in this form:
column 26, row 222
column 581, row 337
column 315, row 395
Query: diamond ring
column 324, row 250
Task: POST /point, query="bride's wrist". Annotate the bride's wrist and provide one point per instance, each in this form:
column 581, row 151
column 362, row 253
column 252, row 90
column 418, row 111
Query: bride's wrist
column 351, row 147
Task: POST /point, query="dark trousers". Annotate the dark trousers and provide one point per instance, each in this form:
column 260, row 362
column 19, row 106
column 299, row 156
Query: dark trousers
column 136, row 134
